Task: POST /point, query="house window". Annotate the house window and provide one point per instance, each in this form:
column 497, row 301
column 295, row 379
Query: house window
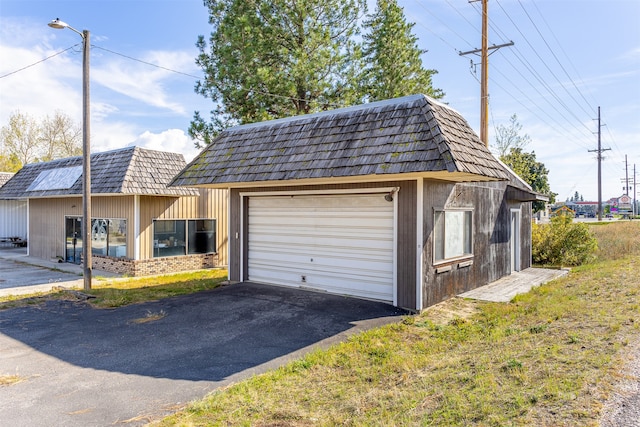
column 109, row 237
column 182, row 237
column 452, row 234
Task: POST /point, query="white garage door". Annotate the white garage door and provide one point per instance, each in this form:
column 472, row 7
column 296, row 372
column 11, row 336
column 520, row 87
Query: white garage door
column 338, row 243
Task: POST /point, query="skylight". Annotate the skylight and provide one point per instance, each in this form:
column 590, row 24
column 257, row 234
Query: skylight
column 56, row 179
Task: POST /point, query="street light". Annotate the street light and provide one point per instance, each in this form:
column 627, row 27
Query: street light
column 86, row 152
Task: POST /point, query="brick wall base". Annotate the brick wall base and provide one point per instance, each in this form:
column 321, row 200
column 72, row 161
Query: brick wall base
column 148, row 267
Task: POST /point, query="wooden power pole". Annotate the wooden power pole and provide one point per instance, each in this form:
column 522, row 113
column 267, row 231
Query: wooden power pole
column 599, row 151
column 484, row 76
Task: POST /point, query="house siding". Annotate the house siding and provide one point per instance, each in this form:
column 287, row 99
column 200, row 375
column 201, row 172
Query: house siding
column 491, row 236
column 13, row 218
column 47, row 220
column 210, row 204
column 405, row 226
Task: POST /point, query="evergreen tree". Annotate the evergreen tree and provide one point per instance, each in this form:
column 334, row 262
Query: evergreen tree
column 267, row 59
column 393, row 65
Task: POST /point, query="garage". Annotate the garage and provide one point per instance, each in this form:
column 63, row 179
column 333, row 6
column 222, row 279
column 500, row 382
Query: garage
column 338, row 243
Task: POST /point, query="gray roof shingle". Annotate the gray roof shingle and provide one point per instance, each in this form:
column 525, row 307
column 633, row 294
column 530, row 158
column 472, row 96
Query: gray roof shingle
column 413, row 134
column 131, row 170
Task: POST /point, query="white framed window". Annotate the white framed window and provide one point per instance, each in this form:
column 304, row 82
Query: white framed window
column 453, row 234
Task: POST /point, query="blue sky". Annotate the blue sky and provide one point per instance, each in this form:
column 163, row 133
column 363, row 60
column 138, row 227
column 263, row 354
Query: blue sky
column 570, row 56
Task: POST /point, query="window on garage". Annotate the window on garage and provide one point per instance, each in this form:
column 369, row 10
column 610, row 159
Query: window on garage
column 452, row 234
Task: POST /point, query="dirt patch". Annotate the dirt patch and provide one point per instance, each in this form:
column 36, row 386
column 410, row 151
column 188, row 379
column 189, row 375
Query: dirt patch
column 453, row 308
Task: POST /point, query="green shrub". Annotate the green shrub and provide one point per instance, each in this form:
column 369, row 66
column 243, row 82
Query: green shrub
column 562, row 242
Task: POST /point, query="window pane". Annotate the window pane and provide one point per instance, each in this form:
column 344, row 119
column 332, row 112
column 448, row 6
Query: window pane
column 202, row 236
column 454, row 235
column 99, row 233
column 118, row 238
column 169, row 238
column 468, row 229
column 438, row 231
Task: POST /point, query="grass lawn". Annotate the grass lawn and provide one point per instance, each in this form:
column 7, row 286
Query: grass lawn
column 547, row 358
column 111, row 293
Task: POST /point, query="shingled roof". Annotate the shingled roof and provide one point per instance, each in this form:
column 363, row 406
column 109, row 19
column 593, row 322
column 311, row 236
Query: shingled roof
column 131, row 170
column 411, row 135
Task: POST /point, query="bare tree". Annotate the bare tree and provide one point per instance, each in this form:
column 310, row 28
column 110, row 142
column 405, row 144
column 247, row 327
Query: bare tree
column 60, row 137
column 509, row 138
column 25, row 140
column 21, row 137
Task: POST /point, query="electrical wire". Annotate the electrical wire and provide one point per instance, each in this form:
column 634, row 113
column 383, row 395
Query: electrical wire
column 444, row 24
column 559, row 63
column 547, row 67
column 145, row 62
column 40, row 61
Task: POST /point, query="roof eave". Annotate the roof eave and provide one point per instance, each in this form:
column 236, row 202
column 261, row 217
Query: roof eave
column 439, row 175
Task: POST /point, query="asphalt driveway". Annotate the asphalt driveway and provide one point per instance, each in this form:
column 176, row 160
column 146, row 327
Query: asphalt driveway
column 92, row 367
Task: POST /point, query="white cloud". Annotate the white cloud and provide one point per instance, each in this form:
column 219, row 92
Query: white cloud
column 172, row 140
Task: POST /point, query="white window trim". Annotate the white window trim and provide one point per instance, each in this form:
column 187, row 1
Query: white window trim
column 457, row 258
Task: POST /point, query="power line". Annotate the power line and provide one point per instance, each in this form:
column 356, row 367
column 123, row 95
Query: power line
column 547, row 67
column 443, row 23
column 40, row 61
column 146, row 63
column 558, row 61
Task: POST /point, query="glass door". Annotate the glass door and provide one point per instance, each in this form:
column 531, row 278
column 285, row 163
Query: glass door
column 73, row 240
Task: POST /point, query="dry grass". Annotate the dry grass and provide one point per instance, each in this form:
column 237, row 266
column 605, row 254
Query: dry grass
column 113, row 293
column 617, row 239
column 546, row 359
column 7, row 380
column 150, row 317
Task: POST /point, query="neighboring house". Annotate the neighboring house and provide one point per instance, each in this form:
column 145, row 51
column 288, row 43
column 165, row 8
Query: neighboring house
column 396, row 201
column 563, row 210
column 139, row 225
column 13, row 216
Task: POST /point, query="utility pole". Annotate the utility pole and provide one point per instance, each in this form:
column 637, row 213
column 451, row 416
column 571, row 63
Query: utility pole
column 599, row 151
column 626, row 176
column 635, row 189
column 484, row 76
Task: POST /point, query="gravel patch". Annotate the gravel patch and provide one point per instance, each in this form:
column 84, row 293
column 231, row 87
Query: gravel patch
column 623, row 408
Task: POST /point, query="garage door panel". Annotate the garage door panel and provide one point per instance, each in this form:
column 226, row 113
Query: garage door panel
column 341, row 244
column 298, row 262
column 368, row 286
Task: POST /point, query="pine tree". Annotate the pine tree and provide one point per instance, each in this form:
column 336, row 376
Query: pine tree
column 268, row 59
column 393, row 64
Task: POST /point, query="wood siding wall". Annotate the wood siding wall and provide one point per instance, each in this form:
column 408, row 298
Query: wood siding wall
column 491, row 231
column 406, row 229
column 210, row 204
column 47, row 219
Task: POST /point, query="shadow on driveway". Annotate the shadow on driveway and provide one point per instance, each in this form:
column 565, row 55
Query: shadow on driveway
column 213, row 336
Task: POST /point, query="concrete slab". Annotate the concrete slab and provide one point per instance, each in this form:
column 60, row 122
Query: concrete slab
column 22, row 274
column 520, row 282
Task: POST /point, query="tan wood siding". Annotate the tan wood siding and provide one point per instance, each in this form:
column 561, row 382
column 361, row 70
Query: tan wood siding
column 47, row 219
column 210, row 204
column 406, row 228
